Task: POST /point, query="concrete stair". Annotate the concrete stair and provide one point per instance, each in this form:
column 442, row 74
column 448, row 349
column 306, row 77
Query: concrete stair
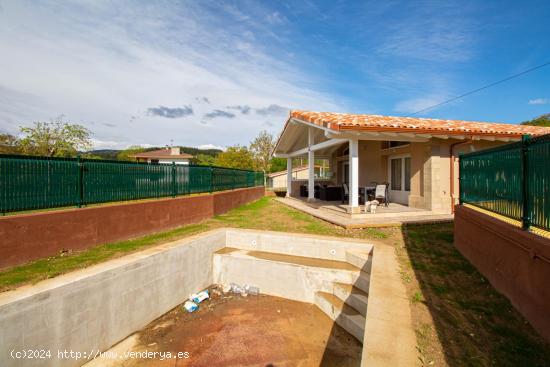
column 360, row 259
column 292, row 277
column 342, row 314
column 353, row 296
column 339, row 288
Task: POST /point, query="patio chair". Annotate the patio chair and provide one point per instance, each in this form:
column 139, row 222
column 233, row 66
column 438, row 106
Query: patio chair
column 370, row 190
column 345, row 192
column 381, row 193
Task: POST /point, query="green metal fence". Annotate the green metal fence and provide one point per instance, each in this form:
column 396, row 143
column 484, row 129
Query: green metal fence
column 37, row 182
column 512, row 180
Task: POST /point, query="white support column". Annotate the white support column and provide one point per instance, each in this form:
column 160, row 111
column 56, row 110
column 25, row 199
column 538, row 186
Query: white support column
column 311, row 166
column 288, row 177
column 354, row 175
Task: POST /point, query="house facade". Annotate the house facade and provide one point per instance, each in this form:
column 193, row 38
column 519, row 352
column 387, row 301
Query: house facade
column 416, row 157
column 166, row 156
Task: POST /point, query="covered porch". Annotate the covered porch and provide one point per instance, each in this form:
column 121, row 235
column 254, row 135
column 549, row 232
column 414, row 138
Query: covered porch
column 359, row 163
column 392, row 215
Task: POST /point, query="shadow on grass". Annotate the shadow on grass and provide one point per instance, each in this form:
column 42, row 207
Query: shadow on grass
column 474, row 324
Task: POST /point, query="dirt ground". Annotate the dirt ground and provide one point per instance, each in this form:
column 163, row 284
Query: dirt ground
column 231, row 330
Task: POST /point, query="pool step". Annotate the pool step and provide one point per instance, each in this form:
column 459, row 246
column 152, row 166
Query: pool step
column 352, row 296
column 292, row 277
column 360, row 258
column 361, row 280
column 342, row 314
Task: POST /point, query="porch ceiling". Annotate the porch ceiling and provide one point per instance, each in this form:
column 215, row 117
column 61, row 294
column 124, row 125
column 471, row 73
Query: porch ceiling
column 294, row 138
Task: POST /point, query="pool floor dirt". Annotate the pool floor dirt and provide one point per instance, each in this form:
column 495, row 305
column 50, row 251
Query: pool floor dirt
column 232, row 330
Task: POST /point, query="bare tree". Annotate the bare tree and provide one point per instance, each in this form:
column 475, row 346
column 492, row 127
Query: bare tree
column 55, row 139
column 262, row 148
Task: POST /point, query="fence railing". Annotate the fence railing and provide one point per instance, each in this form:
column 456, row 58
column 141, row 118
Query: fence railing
column 512, row 180
column 28, row 183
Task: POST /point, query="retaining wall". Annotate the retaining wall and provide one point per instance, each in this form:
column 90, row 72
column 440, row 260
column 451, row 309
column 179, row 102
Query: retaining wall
column 516, row 262
column 28, row 237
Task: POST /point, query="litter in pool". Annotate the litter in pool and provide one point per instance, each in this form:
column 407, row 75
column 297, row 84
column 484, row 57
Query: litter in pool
column 245, row 290
column 190, row 306
column 199, row 297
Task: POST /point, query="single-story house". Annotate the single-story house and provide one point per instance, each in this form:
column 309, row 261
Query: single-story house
column 415, row 157
column 278, row 180
column 167, row 156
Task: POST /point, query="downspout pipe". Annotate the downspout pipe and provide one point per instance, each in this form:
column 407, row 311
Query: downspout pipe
column 452, row 173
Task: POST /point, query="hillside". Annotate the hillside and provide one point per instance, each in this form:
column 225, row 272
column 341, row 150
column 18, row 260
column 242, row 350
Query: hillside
column 112, row 153
column 542, row 120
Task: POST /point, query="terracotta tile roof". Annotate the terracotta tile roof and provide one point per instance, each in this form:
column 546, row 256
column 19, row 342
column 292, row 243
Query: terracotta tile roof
column 161, row 153
column 346, row 121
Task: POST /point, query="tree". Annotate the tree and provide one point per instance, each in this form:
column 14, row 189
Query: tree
column 9, row 144
column 262, row 148
column 126, row 154
column 204, row 159
column 543, row 120
column 277, row 164
column 55, row 139
column 235, row 157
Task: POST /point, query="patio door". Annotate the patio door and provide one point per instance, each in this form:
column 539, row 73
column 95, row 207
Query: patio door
column 399, row 177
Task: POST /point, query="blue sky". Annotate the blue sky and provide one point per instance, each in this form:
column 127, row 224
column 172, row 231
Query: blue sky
column 215, row 73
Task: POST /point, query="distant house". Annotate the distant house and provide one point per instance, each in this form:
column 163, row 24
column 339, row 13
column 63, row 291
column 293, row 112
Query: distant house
column 167, row 156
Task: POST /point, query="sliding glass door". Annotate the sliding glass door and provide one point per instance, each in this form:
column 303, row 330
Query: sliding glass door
column 399, row 177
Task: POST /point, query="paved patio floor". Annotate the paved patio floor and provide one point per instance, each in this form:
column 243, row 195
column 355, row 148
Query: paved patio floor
column 393, row 215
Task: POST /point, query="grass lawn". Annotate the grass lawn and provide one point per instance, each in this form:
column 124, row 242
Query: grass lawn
column 460, row 320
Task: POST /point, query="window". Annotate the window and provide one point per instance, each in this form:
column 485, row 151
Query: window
column 396, row 174
column 400, row 173
column 407, row 173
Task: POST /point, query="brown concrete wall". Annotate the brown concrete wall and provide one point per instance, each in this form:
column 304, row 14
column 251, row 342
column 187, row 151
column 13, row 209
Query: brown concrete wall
column 28, row 237
column 227, row 200
column 516, row 262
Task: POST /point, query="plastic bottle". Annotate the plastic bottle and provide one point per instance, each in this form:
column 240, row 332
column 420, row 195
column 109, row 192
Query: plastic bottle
column 190, row 306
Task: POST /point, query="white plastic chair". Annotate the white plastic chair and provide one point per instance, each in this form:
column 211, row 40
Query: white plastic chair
column 381, row 192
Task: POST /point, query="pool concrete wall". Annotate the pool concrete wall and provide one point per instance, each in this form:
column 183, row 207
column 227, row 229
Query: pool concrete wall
column 31, row 236
column 321, row 247
column 92, row 309
column 298, row 282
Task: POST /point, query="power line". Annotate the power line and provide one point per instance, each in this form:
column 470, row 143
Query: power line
column 481, row 88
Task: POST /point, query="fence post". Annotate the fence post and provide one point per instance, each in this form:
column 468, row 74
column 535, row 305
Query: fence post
column 211, row 179
column 80, row 166
column 526, row 217
column 173, row 179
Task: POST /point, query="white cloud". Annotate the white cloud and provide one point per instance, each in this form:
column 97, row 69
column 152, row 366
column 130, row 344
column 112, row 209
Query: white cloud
column 211, row 146
column 104, row 67
column 540, row 101
column 107, row 144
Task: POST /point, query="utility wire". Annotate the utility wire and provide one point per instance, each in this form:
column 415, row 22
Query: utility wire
column 481, row 88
